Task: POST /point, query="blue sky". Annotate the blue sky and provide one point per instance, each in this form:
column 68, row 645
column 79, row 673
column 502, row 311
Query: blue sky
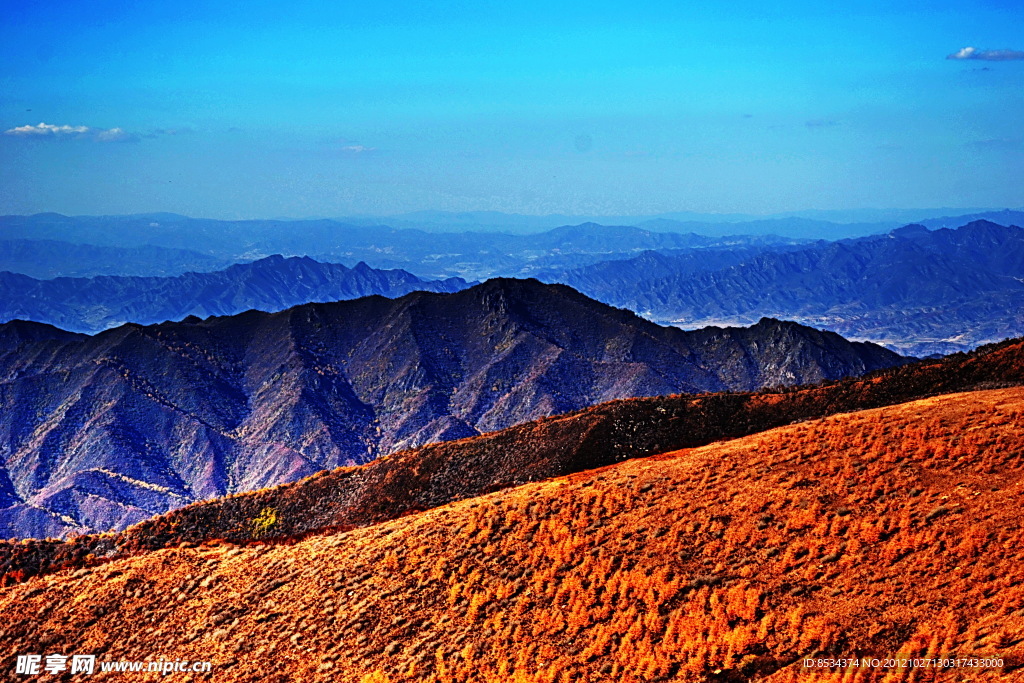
column 235, row 110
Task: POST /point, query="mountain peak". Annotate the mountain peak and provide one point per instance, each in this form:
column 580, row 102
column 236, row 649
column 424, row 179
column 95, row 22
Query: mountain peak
column 19, row 331
column 769, row 323
column 515, row 287
column 910, row 231
column 343, row 382
column 983, row 224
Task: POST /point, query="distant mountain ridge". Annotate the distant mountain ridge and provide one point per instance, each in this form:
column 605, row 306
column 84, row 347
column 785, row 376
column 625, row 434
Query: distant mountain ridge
column 270, row 284
column 832, row 224
column 615, row 281
column 467, row 254
column 44, row 259
column 100, row 432
column 917, row 290
column 948, row 220
column 471, row 245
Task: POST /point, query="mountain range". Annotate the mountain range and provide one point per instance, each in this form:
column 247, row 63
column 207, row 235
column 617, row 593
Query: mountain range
column 271, row 284
column 813, row 224
column 823, row 534
column 467, row 254
column 474, row 245
column 100, row 432
column 916, row 290
column 437, row 474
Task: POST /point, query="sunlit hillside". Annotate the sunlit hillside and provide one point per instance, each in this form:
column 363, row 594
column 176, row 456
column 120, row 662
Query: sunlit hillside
column 892, row 532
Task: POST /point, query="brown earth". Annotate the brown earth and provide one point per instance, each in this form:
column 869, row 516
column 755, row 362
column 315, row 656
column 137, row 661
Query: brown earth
column 894, row 532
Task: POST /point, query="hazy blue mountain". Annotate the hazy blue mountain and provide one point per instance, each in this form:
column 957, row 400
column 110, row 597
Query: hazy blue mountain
column 270, row 284
column 899, row 216
column 45, row 259
column 621, row 280
column 101, row 431
column 471, row 255
column 790, row 227
column 949, row 220
column 916, row 290
column 460, row 251
column 837, row 224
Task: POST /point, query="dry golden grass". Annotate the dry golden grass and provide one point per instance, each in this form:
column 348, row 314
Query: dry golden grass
column 889, row 532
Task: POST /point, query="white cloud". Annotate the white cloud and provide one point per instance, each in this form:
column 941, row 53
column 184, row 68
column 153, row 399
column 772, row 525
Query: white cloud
column 986, row 55
column 46, row 129
column 358, row 149
column 115, row 135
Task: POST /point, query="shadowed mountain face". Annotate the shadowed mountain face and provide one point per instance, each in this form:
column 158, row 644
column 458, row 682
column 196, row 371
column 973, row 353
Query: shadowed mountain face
column 100, row 432
column 270, row 284
column 915, row 290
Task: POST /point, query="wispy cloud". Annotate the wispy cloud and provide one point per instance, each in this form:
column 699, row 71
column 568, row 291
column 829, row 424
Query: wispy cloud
column 987, row 55
column 44, row 130
column 115, row 135
column 357, row 149
column 47, row 130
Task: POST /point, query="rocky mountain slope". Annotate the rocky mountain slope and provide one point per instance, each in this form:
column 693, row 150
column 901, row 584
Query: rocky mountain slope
column 914, row 290
column 434, row 475
column 890, row 533
column 270, row 284
column 101, row 432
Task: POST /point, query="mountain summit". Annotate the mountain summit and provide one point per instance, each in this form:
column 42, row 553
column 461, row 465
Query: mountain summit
column 103, row 431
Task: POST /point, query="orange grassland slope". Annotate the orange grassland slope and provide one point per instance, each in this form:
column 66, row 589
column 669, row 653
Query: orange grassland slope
column 893, row 532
